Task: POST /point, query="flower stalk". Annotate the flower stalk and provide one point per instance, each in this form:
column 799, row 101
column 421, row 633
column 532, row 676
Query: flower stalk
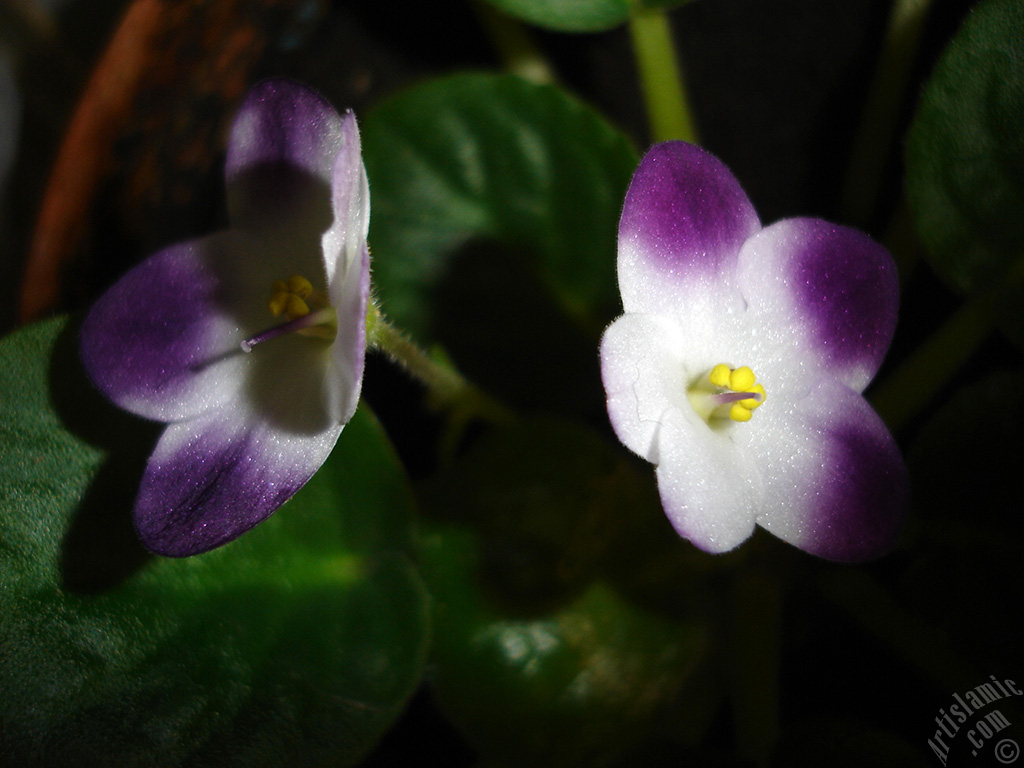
column 871, row 146
column 446, row 387
column 661, row 77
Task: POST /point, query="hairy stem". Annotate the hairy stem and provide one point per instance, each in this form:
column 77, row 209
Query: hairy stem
column 446, row 387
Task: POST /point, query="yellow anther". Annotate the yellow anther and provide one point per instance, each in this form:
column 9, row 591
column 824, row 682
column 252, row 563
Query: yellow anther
column 742, row 379
column 294, row 297
column 719, row 375
column 729, row 383
column 307, row 312
column 752, row 402
column 296, row 307
column 279, row 302
column 300, row 286
column 738, row 413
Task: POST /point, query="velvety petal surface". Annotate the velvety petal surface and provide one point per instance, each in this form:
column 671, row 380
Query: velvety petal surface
column 349, row 349
column 163, row 342
column 642, row 377
column 212, row 478
column 347, row 261
column 710, row 487
column 683, row 223
column 345, row 241
column 280, row 169
column 834, row 290
column 293, row 386
column 835, row 483
column 648, row 362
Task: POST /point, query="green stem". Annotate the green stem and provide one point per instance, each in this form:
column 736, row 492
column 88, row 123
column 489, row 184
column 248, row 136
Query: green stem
column 911, row 388
column 516, row 49
column 878, row 124
column 664, row 88
column 446, row 387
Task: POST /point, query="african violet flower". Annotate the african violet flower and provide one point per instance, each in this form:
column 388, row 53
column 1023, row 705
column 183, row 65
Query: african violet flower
column 251, row 413
column 738, row 365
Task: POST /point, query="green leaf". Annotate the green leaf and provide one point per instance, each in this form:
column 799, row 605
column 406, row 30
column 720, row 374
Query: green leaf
column 579, row 15
column 545, row 496
column 495, row 211
column 568, row 15
column 298, row 643
column 537, row 561
column 578, row 685
column 965, row 157
column 556, row 504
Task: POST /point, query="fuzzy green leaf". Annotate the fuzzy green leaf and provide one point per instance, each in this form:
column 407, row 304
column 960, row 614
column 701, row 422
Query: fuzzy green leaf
column 298, row 643
column 965, row 160
column 578, row 685
column 579, row 15
column 495, row 210
column 543, row 654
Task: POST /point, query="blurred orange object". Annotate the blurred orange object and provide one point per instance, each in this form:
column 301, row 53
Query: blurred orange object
column 164, row 58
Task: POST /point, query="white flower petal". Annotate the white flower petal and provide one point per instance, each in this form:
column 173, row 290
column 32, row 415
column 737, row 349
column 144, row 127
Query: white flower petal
column 163, row 342
column 835, row 483
column 643, row 377
column 683, row 223
column 710, row 486
column 345, row 241
column 829, row 295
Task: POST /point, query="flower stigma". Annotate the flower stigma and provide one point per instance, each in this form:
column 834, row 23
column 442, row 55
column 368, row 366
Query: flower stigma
column 726, row 393
column 306, row 310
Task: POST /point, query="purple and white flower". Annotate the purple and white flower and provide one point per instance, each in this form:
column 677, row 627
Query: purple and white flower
column 738, row 366
column 248, row 343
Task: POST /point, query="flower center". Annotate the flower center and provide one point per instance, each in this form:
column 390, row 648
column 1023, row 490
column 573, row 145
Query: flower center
column 306, row 310
column 289, row 298
column 726, row 392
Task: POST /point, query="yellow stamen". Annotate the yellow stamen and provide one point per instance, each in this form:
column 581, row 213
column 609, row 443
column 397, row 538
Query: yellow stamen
column 741, row 379
column 738, row 413
column 300, row 286
column 752, row 402
column 307, row 312
column 279, row 303
column 294, row 298
column 719, row 375
column 296, row 307
column 727, row 381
